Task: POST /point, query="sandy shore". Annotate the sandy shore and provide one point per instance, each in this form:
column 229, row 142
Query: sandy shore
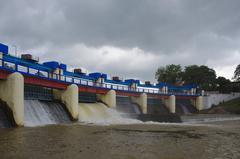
column 207, row 141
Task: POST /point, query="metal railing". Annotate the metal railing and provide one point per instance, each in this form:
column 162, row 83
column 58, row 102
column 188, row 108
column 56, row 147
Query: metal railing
column 28, row 70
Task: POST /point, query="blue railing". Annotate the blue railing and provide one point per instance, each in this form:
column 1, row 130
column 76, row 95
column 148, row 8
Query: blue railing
column 32, row 71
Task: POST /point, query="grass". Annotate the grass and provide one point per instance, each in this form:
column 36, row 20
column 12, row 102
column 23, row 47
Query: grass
column 232, row 106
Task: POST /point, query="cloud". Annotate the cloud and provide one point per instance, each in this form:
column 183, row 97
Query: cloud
column 130, row 38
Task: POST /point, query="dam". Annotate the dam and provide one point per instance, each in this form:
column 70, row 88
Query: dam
column 34, row 94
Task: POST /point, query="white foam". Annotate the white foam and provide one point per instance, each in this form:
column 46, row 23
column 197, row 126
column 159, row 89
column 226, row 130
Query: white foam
column 99, row 114
column 38, row 113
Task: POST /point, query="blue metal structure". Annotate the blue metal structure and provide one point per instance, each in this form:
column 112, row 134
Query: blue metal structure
column 52, row 64
column 45, row 70
column 3, row 48
column 98, row 75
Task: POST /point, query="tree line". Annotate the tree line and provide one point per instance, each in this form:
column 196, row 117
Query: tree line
column 203, row 76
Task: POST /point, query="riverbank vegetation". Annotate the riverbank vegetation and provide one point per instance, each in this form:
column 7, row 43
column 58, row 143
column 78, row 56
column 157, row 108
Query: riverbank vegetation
column 230, row 107
column 203, row 76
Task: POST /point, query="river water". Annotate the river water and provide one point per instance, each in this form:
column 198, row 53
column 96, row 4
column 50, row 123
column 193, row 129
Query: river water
column 216, row 140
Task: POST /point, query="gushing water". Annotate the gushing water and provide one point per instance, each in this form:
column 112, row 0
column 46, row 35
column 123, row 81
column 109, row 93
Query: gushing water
column 185, row 109
column 43, row 113
column 98, row 113
column 125, row 105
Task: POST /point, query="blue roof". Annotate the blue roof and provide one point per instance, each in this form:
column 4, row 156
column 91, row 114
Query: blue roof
column 83, row 76
column 63, row 66
column 97, row 75
column 23, row 62
column 3, row 48
column 116, row 82
column 131, row 81
column 52, row 64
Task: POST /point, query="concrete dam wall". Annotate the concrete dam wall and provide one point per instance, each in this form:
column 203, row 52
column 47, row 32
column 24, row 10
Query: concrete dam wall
column 35, row 93
column 34, row 105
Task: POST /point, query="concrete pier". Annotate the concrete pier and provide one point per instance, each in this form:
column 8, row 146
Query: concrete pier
column 199, row 103
column 109, row 99
column 70, row 98
column 12, row 92
column 141, row 101
column 170, row 103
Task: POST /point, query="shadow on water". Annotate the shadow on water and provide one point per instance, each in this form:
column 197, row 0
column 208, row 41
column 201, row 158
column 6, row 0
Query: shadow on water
column 6, row 116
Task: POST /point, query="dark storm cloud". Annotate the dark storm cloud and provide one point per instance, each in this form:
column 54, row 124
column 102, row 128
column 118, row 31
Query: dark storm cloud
column 172, row 31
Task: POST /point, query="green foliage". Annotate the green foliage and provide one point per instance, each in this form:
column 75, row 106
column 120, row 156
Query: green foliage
column 170, row 73
column 232, row 106
column 237, row 73
column 223, row 85
column 204, row 76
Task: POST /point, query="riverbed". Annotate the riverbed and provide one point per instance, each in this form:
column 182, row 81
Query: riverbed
column 215, row 140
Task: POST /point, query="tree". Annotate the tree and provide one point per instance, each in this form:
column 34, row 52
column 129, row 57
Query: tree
column 223, row 85
column 237, row 73
column 171, row 74
column 202, row 75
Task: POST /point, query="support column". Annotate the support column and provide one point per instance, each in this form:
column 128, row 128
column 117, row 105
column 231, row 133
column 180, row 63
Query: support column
column 141, row 101
column 170, row 103
column 109, row 99
column 12, row 92
column 199, row 103
column 70, row 98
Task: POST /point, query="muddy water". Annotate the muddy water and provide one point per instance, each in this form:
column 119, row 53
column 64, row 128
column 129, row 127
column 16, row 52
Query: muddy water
column 218, row 140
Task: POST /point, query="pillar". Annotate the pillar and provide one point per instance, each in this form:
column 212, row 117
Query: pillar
column 12, row 92
column 70, row 98
column 170, row 103
column 141, row 101
column 199, row 103
column 109, row 98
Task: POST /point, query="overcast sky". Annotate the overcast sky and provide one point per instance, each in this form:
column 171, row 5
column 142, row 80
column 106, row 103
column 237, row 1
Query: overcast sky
column 129, row 38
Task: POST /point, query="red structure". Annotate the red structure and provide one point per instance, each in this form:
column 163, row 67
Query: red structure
column 55, row 84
